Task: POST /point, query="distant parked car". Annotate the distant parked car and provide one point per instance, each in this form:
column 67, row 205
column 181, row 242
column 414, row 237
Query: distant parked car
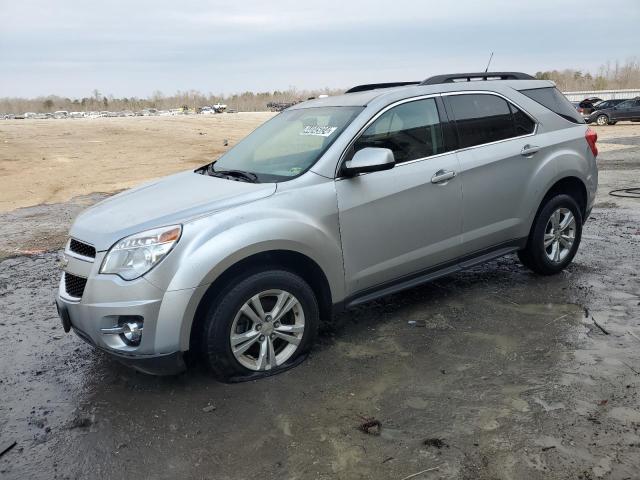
column 77, row 114
column 585, row 107
column 60, row 114
column 608, row 103
column 30, row 115
column 627, row 110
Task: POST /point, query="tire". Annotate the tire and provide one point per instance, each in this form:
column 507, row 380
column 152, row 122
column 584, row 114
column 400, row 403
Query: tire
column 556, row 254
column 261, row 332
column 602, row 120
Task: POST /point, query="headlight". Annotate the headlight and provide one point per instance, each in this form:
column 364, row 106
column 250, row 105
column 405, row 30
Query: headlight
column 134, row 256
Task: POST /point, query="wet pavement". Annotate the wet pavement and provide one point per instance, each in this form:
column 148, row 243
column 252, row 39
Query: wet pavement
column 490, row 373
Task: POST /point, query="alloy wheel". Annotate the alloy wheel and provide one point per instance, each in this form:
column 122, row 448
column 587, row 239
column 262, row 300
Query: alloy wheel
column 602, row 120
column 267, row 330
column 559, row 235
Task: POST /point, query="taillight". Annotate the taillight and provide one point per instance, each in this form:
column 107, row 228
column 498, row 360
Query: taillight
column 592, row 137
column 580, row 110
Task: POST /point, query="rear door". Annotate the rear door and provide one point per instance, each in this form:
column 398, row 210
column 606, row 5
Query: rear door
column 397, row 222
column 497, row 154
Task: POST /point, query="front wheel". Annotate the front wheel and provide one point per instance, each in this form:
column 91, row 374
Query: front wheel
column 555, row 236
column 260, row 326
column 602, row 120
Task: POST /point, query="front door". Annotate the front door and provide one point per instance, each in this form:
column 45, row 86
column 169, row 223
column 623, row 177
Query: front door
column 397, row 222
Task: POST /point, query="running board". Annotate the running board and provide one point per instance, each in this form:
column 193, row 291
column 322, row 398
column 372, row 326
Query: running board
column 405, row 283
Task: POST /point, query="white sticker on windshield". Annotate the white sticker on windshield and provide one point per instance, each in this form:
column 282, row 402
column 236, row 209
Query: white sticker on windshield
column 318, row 131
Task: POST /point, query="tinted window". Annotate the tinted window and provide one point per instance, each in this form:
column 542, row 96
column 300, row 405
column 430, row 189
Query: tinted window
column 522, row 122
column 551, row 98
column 411, row 130
column 481, row 119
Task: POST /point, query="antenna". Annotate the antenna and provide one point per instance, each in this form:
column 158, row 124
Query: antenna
column 488, row 63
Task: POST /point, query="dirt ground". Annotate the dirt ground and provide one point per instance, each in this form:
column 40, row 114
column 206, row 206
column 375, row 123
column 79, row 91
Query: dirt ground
column 46, row 161
column 493, row 373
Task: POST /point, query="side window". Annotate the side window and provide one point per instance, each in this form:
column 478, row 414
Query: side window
column 411, row 130
column 481, row 119
column 523, row 123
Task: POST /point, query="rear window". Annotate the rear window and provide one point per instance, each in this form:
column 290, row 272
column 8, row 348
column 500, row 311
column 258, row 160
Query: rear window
column 551, row 98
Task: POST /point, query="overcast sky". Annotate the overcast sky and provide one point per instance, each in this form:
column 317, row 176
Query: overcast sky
column 134, row 47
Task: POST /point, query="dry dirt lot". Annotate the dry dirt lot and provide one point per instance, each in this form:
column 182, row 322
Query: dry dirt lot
column 46, row 161
column 492, row 373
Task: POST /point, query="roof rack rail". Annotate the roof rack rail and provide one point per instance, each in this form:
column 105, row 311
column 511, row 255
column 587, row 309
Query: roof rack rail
column 373, row 86
column 469, row 77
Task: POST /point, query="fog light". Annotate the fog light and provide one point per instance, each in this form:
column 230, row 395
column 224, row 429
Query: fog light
column 132, row 333
column 129, row 329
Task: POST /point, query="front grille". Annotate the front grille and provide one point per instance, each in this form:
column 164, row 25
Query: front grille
column 82, row 248
column 74, row 285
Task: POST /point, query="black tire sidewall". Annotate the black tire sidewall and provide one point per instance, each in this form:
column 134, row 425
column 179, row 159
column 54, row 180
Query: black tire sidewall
column 535, row 248
column 216, row 348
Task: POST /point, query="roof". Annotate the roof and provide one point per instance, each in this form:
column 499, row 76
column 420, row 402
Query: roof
column 364, row 98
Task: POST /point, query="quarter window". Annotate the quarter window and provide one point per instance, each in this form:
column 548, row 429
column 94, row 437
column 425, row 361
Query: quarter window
column 522, row 122
column 411, row 130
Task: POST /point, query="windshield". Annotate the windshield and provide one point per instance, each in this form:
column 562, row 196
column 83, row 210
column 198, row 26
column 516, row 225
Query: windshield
column 288, row 144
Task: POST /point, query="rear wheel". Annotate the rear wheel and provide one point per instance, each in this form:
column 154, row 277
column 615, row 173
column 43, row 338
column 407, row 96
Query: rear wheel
column 260, row 326
column 555, row 236
column 602, row 120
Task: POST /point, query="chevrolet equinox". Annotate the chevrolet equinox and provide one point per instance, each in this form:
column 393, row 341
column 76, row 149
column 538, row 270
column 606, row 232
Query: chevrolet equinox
column 334, row 202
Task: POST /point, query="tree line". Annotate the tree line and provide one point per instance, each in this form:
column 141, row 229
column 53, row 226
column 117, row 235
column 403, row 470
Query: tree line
column 608, row 76
column 192, row 99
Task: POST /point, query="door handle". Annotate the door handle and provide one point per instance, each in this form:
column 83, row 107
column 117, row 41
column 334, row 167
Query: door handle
column 442, row 176
column 529, row 150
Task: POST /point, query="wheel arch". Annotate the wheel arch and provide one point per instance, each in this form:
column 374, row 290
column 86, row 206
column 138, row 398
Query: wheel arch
column 289, row 260
column 570, row 185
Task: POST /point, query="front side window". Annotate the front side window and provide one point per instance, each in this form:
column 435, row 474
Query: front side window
column 289, row 144
column 481, row 119
column 411, row 130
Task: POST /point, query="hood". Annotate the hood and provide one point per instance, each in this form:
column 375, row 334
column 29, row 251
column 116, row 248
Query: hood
column 174, row 199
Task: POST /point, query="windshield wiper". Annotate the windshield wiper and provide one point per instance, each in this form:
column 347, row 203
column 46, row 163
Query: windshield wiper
column 234, row 174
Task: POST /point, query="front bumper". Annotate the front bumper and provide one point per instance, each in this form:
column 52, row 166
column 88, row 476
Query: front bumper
column 106, row 299
column 154, row 364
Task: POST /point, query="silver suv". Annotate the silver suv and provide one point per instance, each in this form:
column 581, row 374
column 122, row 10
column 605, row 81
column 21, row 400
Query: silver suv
column 332, row 203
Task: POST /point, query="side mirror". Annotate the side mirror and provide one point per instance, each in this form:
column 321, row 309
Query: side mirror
column 369, row 160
